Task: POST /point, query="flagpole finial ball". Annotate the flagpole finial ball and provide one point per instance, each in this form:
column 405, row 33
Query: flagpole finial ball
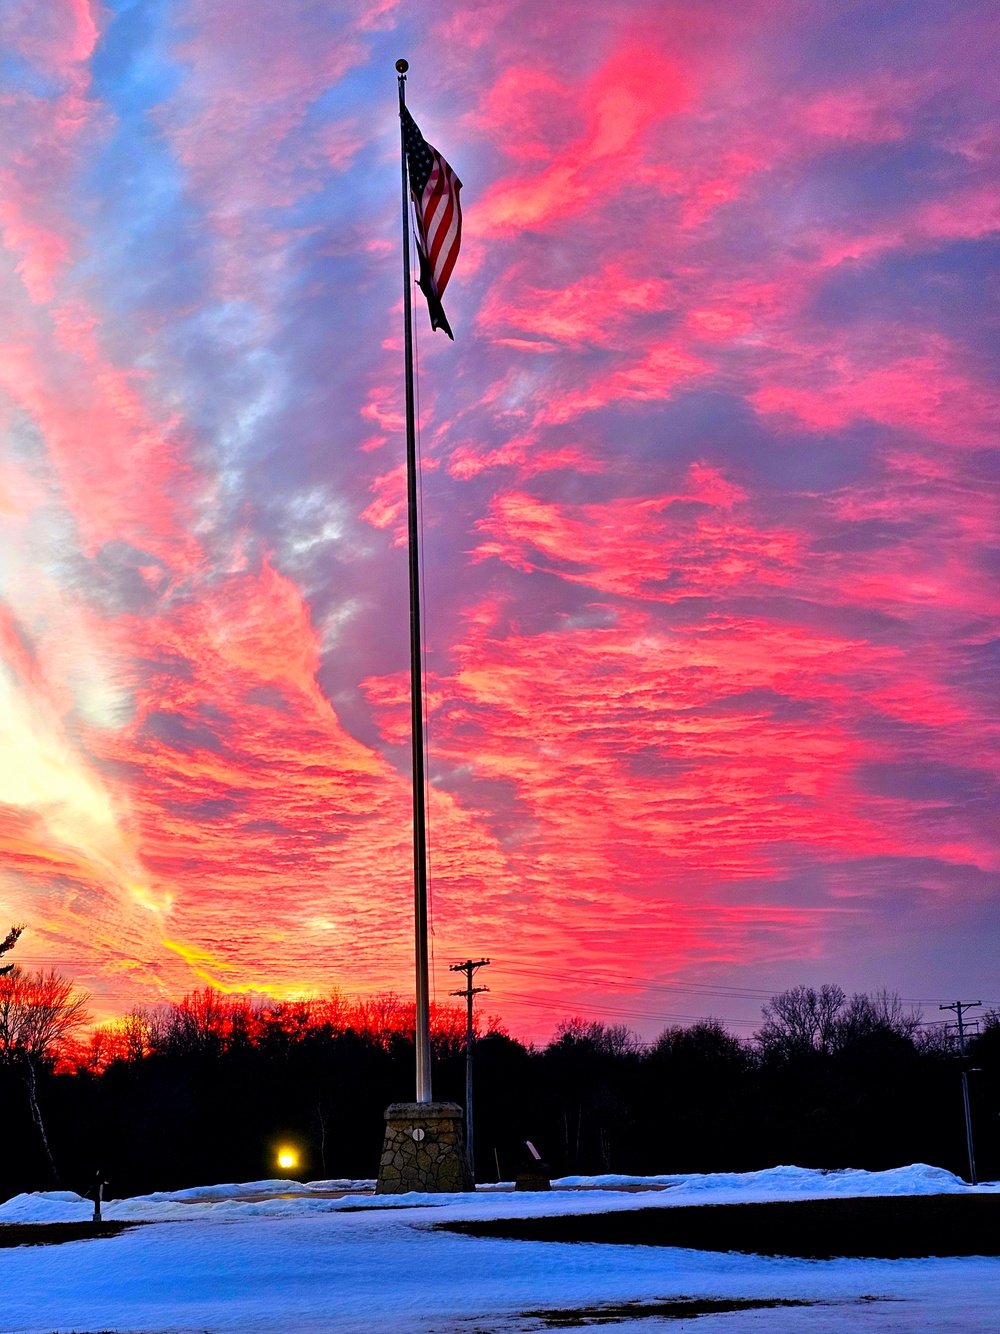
column 402, row 66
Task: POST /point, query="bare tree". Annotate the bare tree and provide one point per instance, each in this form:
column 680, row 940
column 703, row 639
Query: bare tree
column 879, row 1015
column 38, row 1013
column 801, row 1019
column 608, row 1039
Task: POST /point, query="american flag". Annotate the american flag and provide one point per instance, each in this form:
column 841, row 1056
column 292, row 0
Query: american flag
column 434, row 187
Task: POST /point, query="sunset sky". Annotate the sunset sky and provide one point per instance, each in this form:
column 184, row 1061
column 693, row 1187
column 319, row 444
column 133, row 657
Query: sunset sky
column 710, row 494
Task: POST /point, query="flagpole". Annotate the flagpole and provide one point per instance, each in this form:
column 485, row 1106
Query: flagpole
column 423, row 1028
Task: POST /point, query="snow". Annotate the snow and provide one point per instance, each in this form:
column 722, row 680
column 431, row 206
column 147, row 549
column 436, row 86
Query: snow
column 782, row 1183
column 280, row 1255
column 285, row 1198
column 273, row 1186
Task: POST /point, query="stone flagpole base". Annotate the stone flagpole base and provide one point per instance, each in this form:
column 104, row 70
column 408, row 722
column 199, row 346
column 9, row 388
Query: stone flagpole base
column 424, row 1149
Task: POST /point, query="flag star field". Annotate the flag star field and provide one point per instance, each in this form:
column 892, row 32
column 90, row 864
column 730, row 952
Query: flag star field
column 709, row 493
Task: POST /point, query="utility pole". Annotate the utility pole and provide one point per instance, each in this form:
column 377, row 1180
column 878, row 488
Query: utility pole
column 469, row 968
column 960, row 1007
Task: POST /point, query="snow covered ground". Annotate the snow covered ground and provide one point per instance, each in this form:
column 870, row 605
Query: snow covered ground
column 327, row 1256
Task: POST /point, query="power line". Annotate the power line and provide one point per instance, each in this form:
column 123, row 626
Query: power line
column 643, row 984
column 638, row 984
column 595, row 1008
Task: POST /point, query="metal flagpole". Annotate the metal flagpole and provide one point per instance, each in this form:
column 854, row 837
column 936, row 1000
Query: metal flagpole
column 423, row 1026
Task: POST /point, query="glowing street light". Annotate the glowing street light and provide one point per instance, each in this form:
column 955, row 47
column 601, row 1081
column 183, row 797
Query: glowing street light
column 287, row 1158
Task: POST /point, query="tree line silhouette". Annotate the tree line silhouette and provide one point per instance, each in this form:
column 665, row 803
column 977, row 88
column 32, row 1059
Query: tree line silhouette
column 206, row 1089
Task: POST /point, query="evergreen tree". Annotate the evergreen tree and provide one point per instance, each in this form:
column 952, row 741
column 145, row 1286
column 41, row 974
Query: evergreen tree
column 8, row 943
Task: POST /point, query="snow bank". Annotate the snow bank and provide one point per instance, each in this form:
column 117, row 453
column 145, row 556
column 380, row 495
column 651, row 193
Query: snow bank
column 789, row 1182
column 254, row 1189
column 238, row 1201
column 284, row 1198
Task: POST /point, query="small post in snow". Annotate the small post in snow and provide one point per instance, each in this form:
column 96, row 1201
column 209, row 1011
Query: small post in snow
column 98, row 1197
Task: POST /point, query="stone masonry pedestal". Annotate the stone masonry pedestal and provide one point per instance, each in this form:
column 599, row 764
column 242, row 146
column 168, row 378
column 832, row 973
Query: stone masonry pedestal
column 424, row 1149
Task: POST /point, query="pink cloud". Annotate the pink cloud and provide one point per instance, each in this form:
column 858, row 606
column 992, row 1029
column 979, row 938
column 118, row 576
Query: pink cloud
column 655, row 376
column 60, row 38
column 654, row 548
column 631, row 91
column 119, row 469
column 237, row 123
column 876, row 111
column 922, row 389
column 45, row 138
column 590, row 310
column 529, row 112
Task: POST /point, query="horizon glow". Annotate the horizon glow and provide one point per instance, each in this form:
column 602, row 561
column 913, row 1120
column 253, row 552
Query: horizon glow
column 710, row 495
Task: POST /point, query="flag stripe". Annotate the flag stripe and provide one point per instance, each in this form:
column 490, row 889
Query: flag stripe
column 439, row 209
column 448, row 265
column 440, row 226
column 447, row 250
column 434, row 199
